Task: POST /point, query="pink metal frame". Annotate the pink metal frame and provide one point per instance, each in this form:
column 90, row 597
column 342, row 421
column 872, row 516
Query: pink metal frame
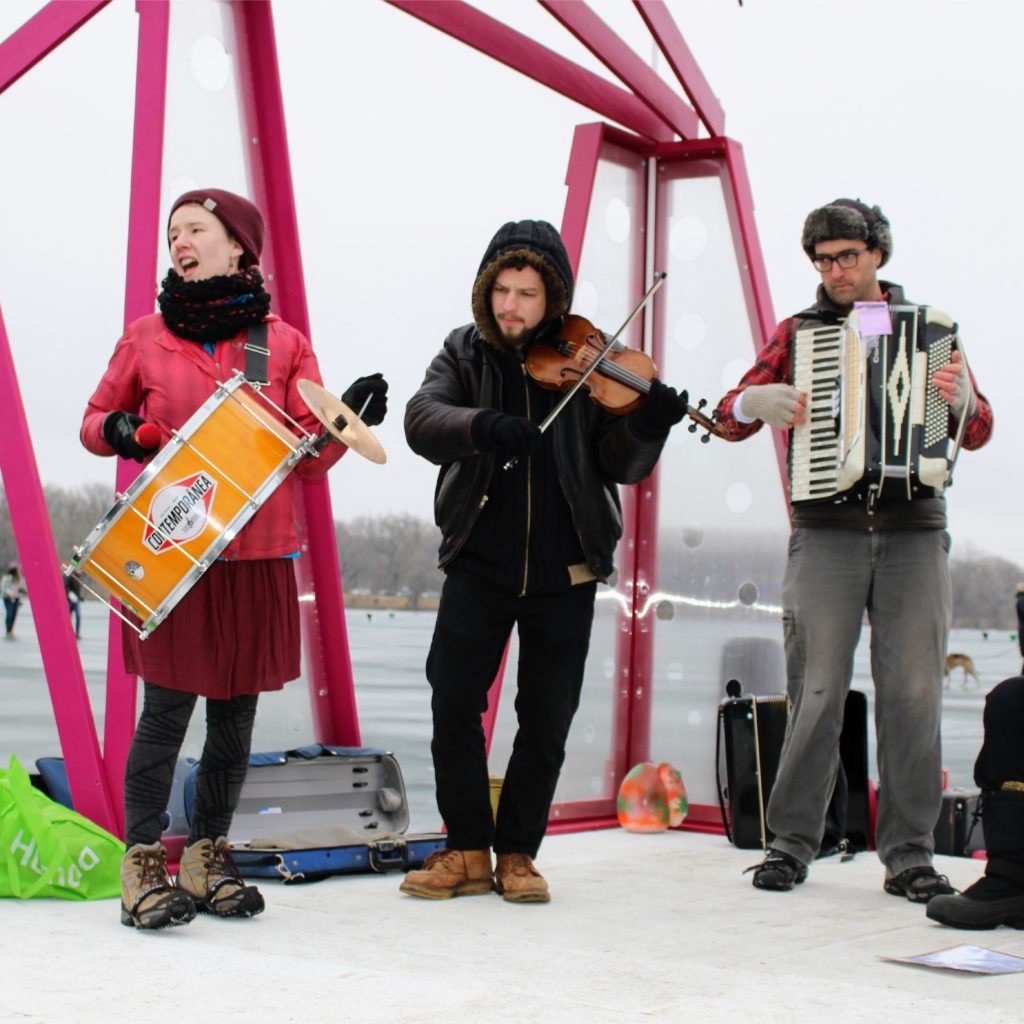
column 635, row 654
column 97, row 780
column 325, row 637
column 652, row 120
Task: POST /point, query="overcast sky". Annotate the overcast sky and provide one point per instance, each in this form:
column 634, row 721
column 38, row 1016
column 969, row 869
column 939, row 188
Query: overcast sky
column 409, row 149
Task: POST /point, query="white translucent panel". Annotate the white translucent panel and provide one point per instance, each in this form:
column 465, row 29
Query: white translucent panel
column 688, row 238
column 205, row 140
column 732, row 371
column 584, row 301
column 689, row 331
column 722, row 519
column 211, row 65
column 617, row 220
column 611, row 271
column 738, row 497
column 206, row 145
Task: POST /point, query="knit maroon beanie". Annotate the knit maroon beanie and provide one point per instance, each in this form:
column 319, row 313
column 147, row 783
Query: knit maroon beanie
column 238, row 215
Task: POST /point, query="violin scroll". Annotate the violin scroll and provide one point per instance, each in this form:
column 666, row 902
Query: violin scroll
column 699, row 420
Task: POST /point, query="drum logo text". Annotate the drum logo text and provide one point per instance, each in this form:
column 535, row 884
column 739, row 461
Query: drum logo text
column 179, row 511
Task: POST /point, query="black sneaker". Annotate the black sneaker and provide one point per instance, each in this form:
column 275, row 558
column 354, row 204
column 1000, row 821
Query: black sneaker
column 778, row 871
column 919, row 884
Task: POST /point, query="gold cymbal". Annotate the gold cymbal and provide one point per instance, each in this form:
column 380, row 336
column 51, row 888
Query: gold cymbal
column 352, row 432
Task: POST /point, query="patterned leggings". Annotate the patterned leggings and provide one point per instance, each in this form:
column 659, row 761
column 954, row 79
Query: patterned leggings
column 154, row 753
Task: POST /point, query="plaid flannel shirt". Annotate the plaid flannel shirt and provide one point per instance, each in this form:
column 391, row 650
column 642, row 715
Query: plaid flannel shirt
column 773, row 367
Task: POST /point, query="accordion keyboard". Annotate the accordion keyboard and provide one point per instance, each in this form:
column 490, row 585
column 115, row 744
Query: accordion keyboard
column 815, row 445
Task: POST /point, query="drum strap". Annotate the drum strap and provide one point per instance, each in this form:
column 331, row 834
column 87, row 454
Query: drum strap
column 256, row 354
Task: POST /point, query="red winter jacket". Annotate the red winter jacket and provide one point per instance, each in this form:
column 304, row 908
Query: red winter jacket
column 166, row 378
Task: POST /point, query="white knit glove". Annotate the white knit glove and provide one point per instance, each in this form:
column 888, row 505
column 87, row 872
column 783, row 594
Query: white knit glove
column 954, row 385
column 778, row 405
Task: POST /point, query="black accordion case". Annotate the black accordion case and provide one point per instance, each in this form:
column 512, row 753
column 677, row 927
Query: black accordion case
column 751, row 733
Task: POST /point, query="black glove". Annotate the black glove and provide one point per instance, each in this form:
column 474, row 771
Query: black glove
column 496, row 431
column 374, row 387
column 661, row 410
column 119, row 432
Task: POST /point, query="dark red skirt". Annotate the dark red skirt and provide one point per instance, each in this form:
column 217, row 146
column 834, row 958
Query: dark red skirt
column 236, row 631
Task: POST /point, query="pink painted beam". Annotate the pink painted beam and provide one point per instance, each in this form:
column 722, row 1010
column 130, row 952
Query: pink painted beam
column 145, row 233
column 42, row 33
column 39, row 562
column 519, row 52
column 671, row 43
column 579, row 177
column 740, row 202
column 756, row 272
column 327, row 657
column 642, row 80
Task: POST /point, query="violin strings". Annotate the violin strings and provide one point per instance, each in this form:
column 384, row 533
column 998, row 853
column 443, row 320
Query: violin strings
column 619, row 373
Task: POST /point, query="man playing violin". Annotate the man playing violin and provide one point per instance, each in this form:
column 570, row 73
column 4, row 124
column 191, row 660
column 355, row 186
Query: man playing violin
column 529, row 523
column 858, row 551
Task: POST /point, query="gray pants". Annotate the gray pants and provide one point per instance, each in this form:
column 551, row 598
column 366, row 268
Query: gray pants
column 901, row 578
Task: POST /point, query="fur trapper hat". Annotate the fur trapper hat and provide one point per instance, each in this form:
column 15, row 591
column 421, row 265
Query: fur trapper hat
column 240, row 217
column 848, row 218
column 529, row 243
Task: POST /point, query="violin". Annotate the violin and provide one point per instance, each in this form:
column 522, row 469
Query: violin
column 620, row 381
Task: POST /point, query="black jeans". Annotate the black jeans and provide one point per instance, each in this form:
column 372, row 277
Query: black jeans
column 474, row 621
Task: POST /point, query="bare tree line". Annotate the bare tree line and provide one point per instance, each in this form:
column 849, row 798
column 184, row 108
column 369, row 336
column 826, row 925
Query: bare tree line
column 397, row 554
column 73, row 512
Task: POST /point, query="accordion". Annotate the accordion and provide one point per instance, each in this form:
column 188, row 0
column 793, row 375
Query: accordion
column 876, row 425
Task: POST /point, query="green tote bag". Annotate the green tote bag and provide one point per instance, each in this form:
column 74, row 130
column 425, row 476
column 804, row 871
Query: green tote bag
column 48, row 850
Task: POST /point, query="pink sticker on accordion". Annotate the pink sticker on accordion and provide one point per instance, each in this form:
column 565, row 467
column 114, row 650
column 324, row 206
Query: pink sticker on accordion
column 179, row 511
column 873, row 318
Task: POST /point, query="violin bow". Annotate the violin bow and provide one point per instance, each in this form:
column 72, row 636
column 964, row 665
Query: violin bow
column 659, row 280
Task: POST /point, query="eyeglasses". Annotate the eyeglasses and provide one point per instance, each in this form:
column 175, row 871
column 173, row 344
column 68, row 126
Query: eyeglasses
column 844, row 259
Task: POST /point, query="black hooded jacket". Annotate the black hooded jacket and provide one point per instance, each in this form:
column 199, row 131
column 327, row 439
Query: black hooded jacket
column 592, row 450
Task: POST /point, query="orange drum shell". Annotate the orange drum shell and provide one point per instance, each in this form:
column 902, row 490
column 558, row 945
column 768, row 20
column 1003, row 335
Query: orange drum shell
column 233, row 451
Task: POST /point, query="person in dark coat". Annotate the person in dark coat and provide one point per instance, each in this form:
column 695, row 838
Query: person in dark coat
column 529, row 524
column 997, row 898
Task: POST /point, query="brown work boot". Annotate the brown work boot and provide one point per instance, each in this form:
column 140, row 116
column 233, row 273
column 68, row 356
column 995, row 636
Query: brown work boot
column 448, row 873
column 208, row 874
column 518, row 880
column 148, row 897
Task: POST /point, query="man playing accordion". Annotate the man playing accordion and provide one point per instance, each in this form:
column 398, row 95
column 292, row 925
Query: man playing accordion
column 881, row 545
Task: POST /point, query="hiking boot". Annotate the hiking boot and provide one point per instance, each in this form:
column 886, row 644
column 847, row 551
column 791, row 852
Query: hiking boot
column 208, row 874
column 447, row 873
column 148, row 897
column 919, row 884
column 518, row 880
column 778, row 872
column 988, row 903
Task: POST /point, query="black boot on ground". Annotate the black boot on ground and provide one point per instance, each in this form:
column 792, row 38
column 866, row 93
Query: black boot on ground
column 997, row 898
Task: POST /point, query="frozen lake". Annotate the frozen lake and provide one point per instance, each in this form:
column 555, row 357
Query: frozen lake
column 388, row 653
